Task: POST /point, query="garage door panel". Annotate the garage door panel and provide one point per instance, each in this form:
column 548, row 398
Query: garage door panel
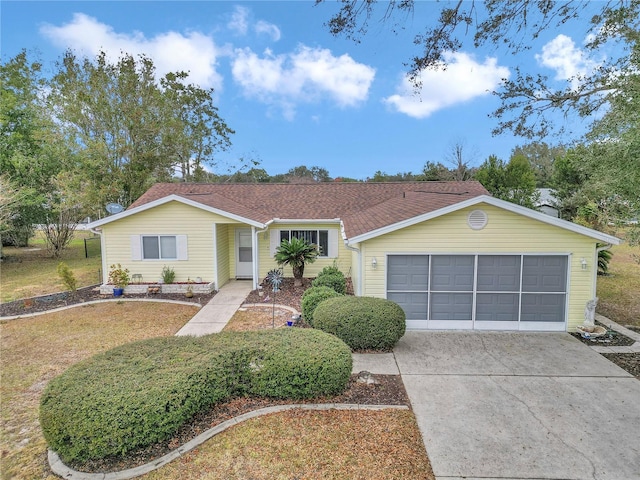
column 542, row 308
column 451, row 306
column 498, row 273
column 544, row 273
column 497, row 307
column 408, row 272
column 452, row 273
column 413, row 304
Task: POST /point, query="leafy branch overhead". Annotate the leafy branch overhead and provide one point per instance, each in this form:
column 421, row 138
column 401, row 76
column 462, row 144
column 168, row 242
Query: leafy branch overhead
column 513, row 26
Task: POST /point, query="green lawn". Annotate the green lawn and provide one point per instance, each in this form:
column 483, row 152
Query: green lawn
column 26, row 272
column 619, row 291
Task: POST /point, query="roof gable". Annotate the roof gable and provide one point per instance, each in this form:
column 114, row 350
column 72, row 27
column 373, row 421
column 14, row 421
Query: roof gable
column 496, row 202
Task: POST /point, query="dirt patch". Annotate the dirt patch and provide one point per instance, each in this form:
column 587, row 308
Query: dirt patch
column 629, row 362
column 258, row 318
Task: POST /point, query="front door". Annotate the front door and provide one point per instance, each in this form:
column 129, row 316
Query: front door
column 244, row 254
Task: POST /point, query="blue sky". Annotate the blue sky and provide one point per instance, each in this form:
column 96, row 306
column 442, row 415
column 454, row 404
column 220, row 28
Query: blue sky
column 296, row 95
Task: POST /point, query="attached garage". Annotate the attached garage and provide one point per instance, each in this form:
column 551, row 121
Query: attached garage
column 495, row 292
column 483, row 264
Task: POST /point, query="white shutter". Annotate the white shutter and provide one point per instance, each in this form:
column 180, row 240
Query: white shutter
column 136, row 247
column 181, row 247
column 333, row 243
column 274, row 241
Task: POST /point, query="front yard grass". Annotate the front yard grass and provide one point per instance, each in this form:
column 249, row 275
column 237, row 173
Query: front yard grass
column 296, row 444
column 28, row 272
column 619, row 291
column 34, row 350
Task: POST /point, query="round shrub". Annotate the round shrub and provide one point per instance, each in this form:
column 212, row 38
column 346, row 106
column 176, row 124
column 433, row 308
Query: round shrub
column 141, row 393
column 363, row 323
column 335, row 281
column 312, row 297
column 301, row 363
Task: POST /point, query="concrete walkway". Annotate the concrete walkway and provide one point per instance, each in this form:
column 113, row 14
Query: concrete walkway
column 214, row 315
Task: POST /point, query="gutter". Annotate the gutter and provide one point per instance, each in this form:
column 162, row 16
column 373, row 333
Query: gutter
column 256, row 256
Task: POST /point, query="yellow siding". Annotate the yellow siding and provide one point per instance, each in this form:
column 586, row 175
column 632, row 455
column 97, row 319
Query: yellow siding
column 311, row 270
column 172, row 218
column 222, row 253
column 506, row 232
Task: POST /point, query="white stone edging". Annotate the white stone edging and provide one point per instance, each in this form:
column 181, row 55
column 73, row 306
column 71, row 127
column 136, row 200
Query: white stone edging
column 90, row 302
column 59, row 468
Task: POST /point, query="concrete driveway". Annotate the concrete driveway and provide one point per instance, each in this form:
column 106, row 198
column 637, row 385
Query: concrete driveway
column 521, row 406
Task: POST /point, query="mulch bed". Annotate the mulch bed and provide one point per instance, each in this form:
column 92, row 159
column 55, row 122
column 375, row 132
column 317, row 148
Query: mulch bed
column 389, row 390
column 609, row 339
column 56, row 300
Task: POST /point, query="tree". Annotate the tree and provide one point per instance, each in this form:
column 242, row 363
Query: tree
column 541, row 157
column 24, row 146
column 436, row 172
column 380, row 176
column 456, row 157
column 513, row 25
column 513, row 181
column 296, row 253
column 133, row 129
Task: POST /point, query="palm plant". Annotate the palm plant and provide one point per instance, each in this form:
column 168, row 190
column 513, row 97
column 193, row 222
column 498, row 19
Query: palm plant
column 296, row 252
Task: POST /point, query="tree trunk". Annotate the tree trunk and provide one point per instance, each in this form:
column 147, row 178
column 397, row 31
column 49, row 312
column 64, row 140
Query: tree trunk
column 298, row 272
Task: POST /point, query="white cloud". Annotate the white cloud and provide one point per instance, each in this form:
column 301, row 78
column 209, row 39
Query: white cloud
column 464, row 79
column 568, row 61
column 269, row 29
column 239, row 20
column 193, row 52
column 306, row 75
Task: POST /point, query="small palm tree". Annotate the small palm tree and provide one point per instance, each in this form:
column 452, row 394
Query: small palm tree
column 296, row 252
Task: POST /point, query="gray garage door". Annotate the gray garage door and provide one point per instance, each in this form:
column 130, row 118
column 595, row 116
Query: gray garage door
column 495, row 292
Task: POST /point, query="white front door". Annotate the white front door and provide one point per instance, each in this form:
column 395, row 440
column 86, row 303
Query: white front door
column 244, row 253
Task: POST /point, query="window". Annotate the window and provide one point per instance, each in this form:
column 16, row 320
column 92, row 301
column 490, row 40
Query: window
column 159, row 247
column 317, row 237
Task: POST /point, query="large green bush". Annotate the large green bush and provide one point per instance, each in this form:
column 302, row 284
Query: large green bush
column 334, row 280
column 312, row 297
column 140, row 393
column 363, row 323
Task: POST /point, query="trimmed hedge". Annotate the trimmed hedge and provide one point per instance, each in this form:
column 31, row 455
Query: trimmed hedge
column 363, row 323
column 141, row 393
column 312, row 297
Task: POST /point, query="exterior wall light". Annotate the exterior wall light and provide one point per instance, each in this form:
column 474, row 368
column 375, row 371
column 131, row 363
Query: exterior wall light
column 374, row 263
column 583, row 262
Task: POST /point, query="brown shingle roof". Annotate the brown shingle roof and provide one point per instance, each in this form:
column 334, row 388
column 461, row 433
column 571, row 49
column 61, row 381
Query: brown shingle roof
column 362, row 207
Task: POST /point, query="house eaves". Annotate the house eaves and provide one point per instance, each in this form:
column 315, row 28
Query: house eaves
column 174, row 198
column 511, row 207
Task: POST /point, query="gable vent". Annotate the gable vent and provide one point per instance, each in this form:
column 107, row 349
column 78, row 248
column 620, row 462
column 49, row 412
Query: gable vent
column 477, row 219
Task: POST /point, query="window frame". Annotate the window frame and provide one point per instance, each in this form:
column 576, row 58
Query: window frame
column 318, row 233
column 160, row 253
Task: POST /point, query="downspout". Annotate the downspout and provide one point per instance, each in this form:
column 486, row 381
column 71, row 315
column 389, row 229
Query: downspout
column 102, row 253
column 358, row 292
column 595, row 268
column 256, row 256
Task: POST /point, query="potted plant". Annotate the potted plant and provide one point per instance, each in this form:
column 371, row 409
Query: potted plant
column 189, row 292
column 119, row 278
